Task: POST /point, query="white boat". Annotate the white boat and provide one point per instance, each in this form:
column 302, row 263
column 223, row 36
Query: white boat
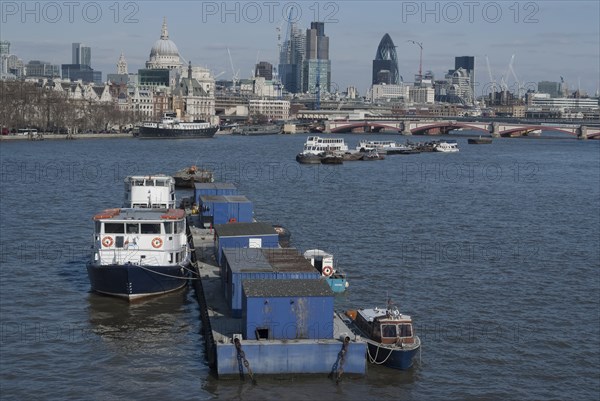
column 323, row 262
column 446, row 147
column 387, row 147
column 151, row 191
column 317, row 145
column 139, row 252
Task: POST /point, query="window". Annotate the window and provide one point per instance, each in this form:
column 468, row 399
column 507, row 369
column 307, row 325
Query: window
column 168, row 228
column 132, row 228
column 114, row 228
column 405, row 330
column 153, row 228
column 388, row 330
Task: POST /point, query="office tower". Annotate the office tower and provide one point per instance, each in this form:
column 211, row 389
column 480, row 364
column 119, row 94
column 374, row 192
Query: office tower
column 385, row 65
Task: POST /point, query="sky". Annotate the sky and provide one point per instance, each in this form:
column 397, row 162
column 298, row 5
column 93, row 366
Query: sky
column 549, row 39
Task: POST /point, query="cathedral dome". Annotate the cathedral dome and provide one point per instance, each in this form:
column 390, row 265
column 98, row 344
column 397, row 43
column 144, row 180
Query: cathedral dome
column 164, row 53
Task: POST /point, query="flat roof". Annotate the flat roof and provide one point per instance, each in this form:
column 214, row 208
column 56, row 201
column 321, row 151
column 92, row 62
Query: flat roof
column 282, row 260
column 130, row 214
column 287, row 288
column 214, row 185
column 224, row 198
column 244, row 229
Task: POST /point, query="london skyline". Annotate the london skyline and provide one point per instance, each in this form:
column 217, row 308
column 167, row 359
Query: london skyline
column 550, row 40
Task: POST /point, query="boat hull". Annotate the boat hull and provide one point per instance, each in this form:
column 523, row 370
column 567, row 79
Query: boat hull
column 479, row 141
column 134, row 282
column 308, row 159
column 172, row 133
column 397, row 358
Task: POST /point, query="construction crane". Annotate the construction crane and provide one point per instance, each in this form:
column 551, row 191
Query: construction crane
column 420, row 44
column 514, row 74
column 492, row 81
column 235, row 75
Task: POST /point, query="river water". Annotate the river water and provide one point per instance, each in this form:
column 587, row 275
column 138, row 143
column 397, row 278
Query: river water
column 494, row 251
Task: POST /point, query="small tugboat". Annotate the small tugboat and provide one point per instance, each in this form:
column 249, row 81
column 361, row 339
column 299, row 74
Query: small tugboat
column 389, row 334
column 188, row 176
column 323, row 262
column 373, row 155
column 139, row 252
column 308, row 158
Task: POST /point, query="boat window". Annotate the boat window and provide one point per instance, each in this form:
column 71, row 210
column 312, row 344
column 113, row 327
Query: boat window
column 97, row 226
column 138, row 183
column 405, row 330
column 132, row 228
column 114, row 228
column 153, row 228
column 388, row 330
column 168, row 228
column 149, row 183
column 179, row 227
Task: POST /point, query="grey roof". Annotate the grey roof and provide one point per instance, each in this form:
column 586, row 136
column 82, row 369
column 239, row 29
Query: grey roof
column 224, row 198
column 244, row 229
column 282, row 260
column 214, row 185
column 287, row 288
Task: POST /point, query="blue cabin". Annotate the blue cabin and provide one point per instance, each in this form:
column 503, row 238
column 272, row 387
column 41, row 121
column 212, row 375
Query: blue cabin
column 244, row 235
column 222, row 209
column 261, row 263
column 214, row 189
column 287, row 310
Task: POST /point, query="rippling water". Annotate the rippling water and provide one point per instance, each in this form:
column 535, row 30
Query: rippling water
column 494, row 251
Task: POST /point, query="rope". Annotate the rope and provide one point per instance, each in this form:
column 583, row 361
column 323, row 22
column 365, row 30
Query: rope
column 168, row 275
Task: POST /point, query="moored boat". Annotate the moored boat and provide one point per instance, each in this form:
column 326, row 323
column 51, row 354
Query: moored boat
column 186, row 177
column 332, row 158
column 255, row 130
column 445, row 147
column 170, row 127
column 323, row 262
column 139, row 252
column 479, row 141
column 387, row 147
column 308, row 158
column 389, row 334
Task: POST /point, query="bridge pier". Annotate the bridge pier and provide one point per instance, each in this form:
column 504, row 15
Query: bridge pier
column 494, row 129
column 582, row 133
column 406, row 128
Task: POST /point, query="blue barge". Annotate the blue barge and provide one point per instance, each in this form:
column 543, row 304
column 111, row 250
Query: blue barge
column 265, row 309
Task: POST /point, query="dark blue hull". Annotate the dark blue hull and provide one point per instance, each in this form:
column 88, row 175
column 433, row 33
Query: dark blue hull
column 397, row 359
column 165, row 133
column 132, row 282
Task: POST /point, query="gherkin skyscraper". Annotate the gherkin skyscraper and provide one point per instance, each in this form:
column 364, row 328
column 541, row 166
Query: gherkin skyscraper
column 385, row 65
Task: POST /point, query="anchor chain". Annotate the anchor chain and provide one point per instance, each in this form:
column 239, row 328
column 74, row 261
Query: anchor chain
column 242, row 361
column 338, row 366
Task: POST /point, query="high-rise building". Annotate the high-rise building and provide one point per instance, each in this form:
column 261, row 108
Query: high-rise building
column 36, row 68
column 317, row 66
column 552, row 88
column 264, row 69
column 467, row 63
column 385, row 65
column 291, row 59
column 81, row 54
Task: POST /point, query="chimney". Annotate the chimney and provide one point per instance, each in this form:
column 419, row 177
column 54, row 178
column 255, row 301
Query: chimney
column 190, row 70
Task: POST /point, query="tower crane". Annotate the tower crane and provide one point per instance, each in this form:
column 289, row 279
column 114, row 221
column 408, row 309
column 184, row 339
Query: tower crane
column 420, row 44
column 492, row 81
column 235, row 75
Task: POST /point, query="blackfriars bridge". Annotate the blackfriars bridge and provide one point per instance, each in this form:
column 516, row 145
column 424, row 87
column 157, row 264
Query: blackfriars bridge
column 438, row 127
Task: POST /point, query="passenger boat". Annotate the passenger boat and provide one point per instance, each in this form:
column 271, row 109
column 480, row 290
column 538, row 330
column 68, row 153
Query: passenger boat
column 323, row 262
column 252, row 130
column 139, row 252
column 316, row 144
column 170, row 127
column 446, row 147
column 389, row 334
column 188, row 176
column 479, row 141
column 389, row 147
column 151, row 191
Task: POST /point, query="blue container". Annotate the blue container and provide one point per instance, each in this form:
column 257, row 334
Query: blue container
column 214, row 189
column 222, row 209
column 261, row 263
column 287, row 309
column 244, row 235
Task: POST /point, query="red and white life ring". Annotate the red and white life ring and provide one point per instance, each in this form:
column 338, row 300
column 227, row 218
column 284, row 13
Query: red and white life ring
column 107, row 242
column 157, row 242
column 327, row 271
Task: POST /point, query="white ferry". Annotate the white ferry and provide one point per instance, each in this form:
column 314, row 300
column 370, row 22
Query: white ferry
column 317, row 145
column 151, row 191
column 139, row 252
column 446, row 147
column 389, row 147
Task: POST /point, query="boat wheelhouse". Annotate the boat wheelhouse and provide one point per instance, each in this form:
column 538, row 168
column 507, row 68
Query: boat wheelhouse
column 389, row 334
column 139, row 252
column 323, row 262
column 152, row 191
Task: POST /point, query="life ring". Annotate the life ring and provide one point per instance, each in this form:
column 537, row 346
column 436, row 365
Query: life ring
column 107, row 242
column 157, row 242
column 327, row 271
